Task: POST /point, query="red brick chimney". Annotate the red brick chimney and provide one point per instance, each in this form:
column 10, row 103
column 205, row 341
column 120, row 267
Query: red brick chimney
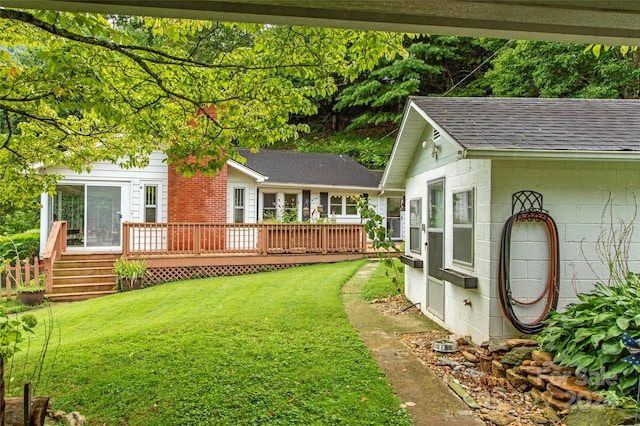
column 197, row 199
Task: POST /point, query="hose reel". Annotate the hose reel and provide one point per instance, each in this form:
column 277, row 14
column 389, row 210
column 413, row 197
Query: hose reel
column 526, row 206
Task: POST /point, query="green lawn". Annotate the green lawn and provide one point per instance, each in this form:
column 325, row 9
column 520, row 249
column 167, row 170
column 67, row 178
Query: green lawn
column 272, row 348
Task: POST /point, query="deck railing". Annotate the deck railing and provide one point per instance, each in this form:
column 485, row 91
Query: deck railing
column 211, row 239
column 56, row 245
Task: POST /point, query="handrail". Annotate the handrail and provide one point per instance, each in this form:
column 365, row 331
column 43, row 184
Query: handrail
column 56, row 245
column 241, row 238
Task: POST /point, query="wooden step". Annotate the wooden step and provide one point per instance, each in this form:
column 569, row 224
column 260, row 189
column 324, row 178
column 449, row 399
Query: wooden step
column 83, row 286
column 81, row 276
column 84, row 263
column 75, row 297
column 89, row 256
column 74, row 272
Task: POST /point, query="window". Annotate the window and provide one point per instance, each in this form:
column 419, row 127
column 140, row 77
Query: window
column 335, row 204
column 463, row 227
column 290, row 211
column 151, row 203
column 415, row 219
column 343, row 205
column 351, row 205
column 268, row 206
column 238, row 205
column 394, row 205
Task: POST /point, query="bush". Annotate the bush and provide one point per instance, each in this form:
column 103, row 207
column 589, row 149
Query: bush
column 588, row 335
column 21, row 246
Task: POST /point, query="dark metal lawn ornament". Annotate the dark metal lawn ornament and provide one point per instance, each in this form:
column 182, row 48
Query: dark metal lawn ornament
column 633, row 346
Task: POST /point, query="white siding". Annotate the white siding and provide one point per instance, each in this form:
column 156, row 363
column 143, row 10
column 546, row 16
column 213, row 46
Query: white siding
column 236, row 179
column 133, row 181
column 154, row 173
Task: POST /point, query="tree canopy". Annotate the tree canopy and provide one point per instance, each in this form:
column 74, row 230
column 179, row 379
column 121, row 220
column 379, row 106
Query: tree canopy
column 80, row 88
column 552, row 70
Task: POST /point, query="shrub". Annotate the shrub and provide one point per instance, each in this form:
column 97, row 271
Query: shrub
column 587, row 335
column 21, row 246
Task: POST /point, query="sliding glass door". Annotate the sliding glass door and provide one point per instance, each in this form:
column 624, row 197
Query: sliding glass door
column 93, row 214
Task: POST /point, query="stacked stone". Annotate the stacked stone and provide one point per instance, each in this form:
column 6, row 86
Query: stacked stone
column 529, row 369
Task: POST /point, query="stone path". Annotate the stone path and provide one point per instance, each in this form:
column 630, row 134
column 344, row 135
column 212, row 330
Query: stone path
column 429, row 402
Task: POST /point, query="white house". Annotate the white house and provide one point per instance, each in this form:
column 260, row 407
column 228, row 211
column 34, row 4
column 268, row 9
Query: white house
column 463, row 162
column 269, row 185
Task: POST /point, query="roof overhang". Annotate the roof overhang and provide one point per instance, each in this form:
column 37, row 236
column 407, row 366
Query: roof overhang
column 260, row 178
column 324, row 188
column 539, row 154
column 414, row 121
column 587, row 21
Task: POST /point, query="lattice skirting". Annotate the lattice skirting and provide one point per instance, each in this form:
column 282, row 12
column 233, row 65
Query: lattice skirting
column 163, row 275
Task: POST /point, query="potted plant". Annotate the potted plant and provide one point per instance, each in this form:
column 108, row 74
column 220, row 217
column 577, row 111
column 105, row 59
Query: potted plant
column 32, row 293
column 129, row 273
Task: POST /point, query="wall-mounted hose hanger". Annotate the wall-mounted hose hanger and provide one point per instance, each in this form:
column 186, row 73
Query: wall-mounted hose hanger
column 527, row 206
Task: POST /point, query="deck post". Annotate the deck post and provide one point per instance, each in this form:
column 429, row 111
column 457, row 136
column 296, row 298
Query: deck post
column 126, row 239
column 325, row 239
column 196, row 240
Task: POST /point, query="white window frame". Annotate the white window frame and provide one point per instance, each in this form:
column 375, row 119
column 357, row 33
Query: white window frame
column 239, row 206
column 146, row 204
column 464, row 213
column 343, row 205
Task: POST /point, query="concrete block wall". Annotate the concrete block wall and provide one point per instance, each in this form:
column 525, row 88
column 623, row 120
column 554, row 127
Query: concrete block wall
column 576, row 194
column 467, row 310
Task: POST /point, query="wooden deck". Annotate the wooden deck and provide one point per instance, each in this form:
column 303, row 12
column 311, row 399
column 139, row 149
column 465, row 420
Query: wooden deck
column 178, row 251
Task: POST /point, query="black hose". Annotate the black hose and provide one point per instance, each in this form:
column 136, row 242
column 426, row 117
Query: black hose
column 551, row 290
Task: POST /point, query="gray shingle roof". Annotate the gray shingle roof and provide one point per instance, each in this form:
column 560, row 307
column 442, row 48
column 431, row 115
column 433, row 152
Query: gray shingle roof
column 537, row 124
column 310, row 168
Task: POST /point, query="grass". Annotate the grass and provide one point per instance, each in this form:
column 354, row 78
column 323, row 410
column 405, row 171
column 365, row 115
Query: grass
column 273, row 348
column 381, row 285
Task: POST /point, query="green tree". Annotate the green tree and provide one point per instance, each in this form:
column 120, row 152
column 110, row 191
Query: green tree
column 433, row 66
column 81, row 88
column 543, row 69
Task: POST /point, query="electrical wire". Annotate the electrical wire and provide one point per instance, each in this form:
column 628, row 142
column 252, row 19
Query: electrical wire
column 551, row 289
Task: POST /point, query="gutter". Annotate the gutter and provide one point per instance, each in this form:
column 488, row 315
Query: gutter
column 547, row 154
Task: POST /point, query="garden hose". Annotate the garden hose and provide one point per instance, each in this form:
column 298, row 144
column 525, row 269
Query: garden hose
column 507, row 301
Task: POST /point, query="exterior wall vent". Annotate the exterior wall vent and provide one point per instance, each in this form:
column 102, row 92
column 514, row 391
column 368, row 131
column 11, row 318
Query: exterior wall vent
column 436, row 134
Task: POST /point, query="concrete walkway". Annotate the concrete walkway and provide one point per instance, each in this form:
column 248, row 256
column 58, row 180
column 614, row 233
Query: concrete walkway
column 412, row 381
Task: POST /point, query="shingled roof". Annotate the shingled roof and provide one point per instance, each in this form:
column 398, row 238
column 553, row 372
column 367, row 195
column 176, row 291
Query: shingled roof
column 310, row 168
column 537, row 123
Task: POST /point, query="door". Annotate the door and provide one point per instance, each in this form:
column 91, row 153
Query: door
column 104, row 207
column 435, row 248
column 93, row 214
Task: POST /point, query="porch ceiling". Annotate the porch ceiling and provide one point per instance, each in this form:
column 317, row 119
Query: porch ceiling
column 599, row 21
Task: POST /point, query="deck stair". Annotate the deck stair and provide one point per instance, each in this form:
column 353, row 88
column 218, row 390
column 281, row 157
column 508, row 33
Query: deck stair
column 83, row 276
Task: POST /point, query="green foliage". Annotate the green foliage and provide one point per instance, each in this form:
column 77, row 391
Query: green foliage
column 13, row 331
column 587, row 335
column 371, row 152
column 379, row 285
column 380, row 237
column 20, row 246
column 434, row 64
column 129, row 269
column 265, row 348
column 78, row 88
column 543, row 69
column 15, row 221
column 34, row 286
